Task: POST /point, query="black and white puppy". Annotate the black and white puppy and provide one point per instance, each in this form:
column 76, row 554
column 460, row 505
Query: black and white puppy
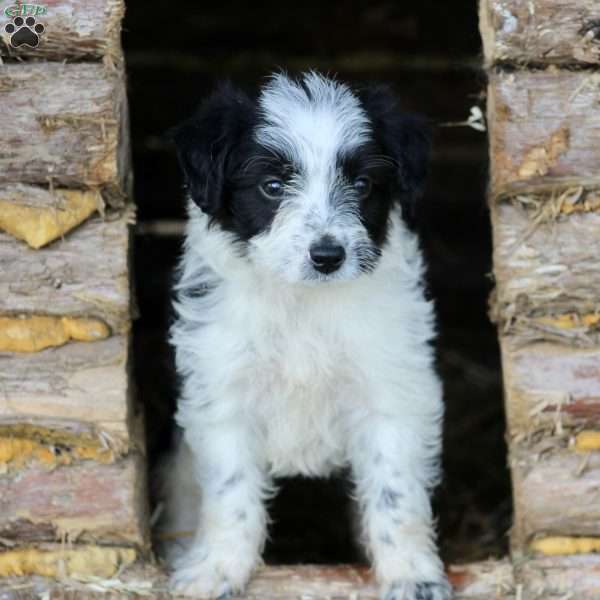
column 302, row 334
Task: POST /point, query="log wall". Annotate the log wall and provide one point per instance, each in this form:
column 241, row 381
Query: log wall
column 544, row 116
column 72, row 467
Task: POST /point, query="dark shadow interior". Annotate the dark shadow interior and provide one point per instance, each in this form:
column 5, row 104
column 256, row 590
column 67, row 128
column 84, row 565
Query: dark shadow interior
column 430, row 52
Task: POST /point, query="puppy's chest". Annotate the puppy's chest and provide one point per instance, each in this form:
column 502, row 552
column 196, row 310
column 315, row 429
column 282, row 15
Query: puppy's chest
column 302, row 386
column 297, row 351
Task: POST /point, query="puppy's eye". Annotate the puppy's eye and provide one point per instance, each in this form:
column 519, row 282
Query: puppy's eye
column 363, row 186
column 272, row 188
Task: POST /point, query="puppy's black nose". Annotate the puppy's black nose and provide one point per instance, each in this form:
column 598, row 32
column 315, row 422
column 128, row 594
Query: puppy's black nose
column 327, row 256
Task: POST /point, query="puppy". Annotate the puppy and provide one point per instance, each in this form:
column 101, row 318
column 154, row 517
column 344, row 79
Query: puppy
column 302, row 334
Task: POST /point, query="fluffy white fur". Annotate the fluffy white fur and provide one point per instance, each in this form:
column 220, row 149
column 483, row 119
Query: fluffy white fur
column 286, row 374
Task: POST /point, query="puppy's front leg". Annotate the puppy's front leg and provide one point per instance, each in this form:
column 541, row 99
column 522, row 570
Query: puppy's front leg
column 232, row 518
column 395, row 464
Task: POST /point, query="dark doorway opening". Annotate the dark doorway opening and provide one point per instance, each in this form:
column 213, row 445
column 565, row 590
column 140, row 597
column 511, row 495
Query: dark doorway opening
column 430, row 52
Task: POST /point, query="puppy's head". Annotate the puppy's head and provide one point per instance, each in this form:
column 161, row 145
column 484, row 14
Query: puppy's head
column 306, row 176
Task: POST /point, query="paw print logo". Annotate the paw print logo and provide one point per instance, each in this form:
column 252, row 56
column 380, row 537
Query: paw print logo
column 24, row 32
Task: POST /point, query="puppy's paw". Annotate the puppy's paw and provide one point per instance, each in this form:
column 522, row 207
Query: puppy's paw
column 418, row 590
column 210, row 574
column 199, row 581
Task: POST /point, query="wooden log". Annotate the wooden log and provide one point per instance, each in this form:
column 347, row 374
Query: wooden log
column 67, row 126
column 39, row 216
column 543, row 128
column 545, row 265
column 477, row 581
column 84, row 275
column 540, row 32
column 73, row 29
column 550, row 388
column 85, row 501
column 82, row 382
column 556, row 491
column 576, row 577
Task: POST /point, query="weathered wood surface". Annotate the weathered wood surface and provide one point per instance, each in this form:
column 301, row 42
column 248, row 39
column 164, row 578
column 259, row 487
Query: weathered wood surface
column 39, row 216
column 576, row 577
column 550, row 387
column 490, row 580
column 86, row 502
column 556, row 490
column 74, row 29
column 64, row 124
column 543, row 31
column 546, row 252
column 81, row 381
column 543, row 126
column 86, row 274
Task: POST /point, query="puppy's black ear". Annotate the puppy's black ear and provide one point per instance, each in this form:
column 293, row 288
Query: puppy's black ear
column 204, row 143
column 404, row 137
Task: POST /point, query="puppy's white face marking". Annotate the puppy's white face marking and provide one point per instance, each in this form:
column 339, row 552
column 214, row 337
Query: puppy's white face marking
column 314, row 125
column 311, row 122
